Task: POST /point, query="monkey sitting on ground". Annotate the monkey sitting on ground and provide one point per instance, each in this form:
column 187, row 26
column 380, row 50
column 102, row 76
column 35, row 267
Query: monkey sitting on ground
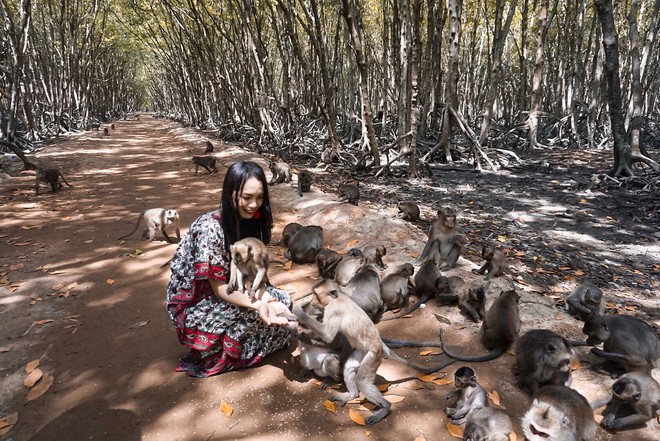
column 586, row 299
column 326, row 262
column 488, row 424
column 395, row 287
column 106, row 132
column 349, row 193
column 157, row 219
column 495, row 264
column 305, row 180
column 635, row 400
column 542, row 358
column 208, row 162
column 289, row 230
column 249, row 263
column 49, row 175
column 472, row 301
column 209, row 147
column 281, row 172
column 499, row 329
column 445, row 240
column 559, row 413
column 349, row 265
column 408, row 211
column 305, row 244
column 112, row 126
column 373, row 255
column 341, row 315
column 627, row 341
column 364, row 289
column 471, row 396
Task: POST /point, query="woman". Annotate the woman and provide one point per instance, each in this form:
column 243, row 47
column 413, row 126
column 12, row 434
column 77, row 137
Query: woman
column 225, row 331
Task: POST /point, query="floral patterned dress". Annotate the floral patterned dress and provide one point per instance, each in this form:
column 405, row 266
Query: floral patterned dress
column 222, row 336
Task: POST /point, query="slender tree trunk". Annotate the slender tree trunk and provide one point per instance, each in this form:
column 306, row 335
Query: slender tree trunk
column 405, row 53
column 414, row 86
column 455, row 8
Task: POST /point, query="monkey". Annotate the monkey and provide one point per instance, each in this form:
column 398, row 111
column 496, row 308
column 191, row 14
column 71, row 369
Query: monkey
column 289, row 230
column 209, row 147
column 373, row 254
column 542, row 358
column 208, row 162
column 305, row 179
column 395, row 287
column 559, row 413
column 50, row 176
column 349, row 265
column 106, row 132
column 445, row 240
column 112, row 126
column 637, row 393
column 408, row 211
column 281, row 172
column 157, row 218
column 627, row 341
column 429, row 283
column 487, row 424
column 499, row 329
column 586, row 298
column 138, row 118
column 343, row 315
column 349, row 193
column 305, row 244
column 471, row 396
column 364, row 289
column 326, row 262
column 325, row 360
column 94, row 126
column 249, row 263
column 495, row 264
column 472, row 301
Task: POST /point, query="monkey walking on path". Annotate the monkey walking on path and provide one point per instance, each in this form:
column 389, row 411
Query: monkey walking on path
column 157, row 219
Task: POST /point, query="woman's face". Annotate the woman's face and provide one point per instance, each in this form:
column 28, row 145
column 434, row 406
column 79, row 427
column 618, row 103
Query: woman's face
column 250, row 198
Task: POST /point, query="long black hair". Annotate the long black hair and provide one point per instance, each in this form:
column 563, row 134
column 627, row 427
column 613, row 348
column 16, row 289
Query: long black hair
column 233, row 226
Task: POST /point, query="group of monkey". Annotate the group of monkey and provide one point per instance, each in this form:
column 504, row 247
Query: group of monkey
column 339, row 341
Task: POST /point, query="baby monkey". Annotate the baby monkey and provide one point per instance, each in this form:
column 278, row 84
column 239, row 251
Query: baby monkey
column 305, row 179
column 208, row 162
column 249, row 263
column 586, row 298
column 495, row 264
column 349, row 193
column 488, row 424
column 471, row 396
column 408, row 210
column 635, row 400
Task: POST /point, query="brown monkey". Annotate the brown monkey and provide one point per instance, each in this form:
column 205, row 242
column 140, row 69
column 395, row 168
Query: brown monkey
column 289, row 230
column 349, row 265
column 395, row 287
column 305, row 179
column 408, row 211
column 209, row 147
column 472, row 301
column 343, row 315
column 627, row 341
column 559, row 413
column 208, row 162
column 542, row 358
column 325, row 360
column 249, row 263
column 349, row 193
column 157, row 219
column 488, row 424
column 50, row 176
column 364, row 289
column 373, row 254
column 112, row 126
column 637, row 392
column 305, row 244
column 495, row 264
column 499, row 329
column 471, row 396
column 586, row 298
column 445, row 240
column 281, row 172
column 106, row 132
column 326, row 262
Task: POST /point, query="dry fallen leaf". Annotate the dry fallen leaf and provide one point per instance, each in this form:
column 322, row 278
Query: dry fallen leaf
column 7, row 422
column 513, row 436
column 455, row 430
column 40, row 388
column 4, row 349
column 426, row 352
column 33, row 377
column 226, row 409
column 110, row 281
column 356, row 416
column 330, row 406
column 442, row 381
column 420, row 438
column 43, row 322
column 89, row 241
column 394, row 398
column 32, row 365
column 428, row 377
column 138, row 324
column 575, row 364
column 350, row 243
column 494, row 397
column 383, row 387
column 368, row 433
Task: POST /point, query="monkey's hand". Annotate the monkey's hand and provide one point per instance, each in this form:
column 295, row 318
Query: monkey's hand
column 457, row 238
column 608, row 421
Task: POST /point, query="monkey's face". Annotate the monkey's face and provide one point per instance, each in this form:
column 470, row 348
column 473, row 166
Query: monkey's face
column 627, row 389
column 171, row 216
column 240, row 253
column 597, row 330
column 544, row 421
column 474, row 432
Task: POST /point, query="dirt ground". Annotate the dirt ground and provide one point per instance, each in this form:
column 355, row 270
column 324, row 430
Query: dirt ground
column 91, row 308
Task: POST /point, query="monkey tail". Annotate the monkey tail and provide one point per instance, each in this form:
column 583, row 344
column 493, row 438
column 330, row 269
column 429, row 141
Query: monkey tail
column 400, row 314
column 62, row 176
column 422, row 369
column 137, row 225
column 395, row 344
column 492, row 355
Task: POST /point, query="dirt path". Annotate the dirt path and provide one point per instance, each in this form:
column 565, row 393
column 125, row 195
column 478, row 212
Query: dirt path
column 111, row 349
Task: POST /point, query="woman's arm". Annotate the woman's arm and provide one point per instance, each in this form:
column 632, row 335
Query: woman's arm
column 267, row 313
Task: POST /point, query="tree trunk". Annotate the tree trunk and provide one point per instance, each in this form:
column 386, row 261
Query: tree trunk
column 414, row 86
column 455, row 8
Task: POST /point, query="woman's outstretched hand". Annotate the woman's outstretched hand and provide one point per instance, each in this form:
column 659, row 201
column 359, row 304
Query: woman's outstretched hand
column 275, row 313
